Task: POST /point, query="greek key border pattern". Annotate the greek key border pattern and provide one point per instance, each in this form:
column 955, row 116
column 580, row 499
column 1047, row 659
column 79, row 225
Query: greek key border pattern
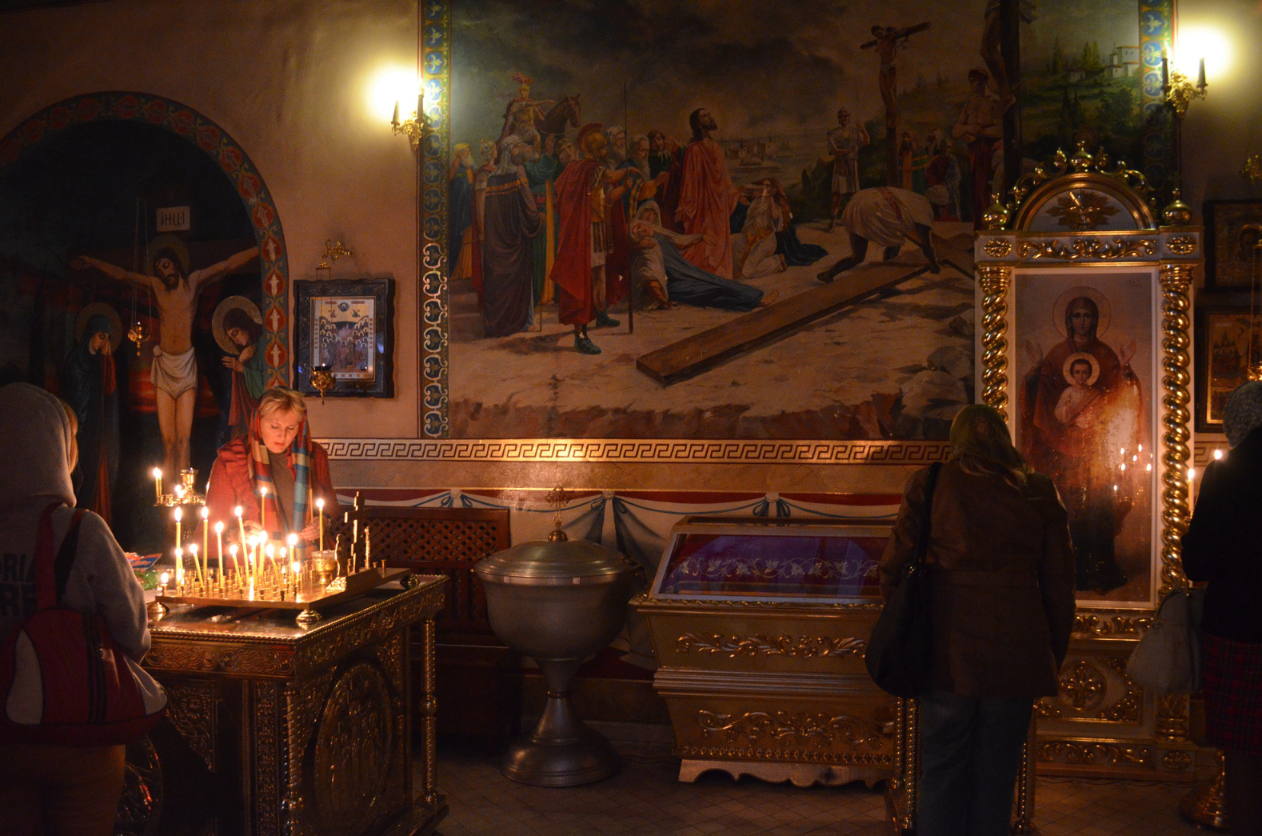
column 635, row 451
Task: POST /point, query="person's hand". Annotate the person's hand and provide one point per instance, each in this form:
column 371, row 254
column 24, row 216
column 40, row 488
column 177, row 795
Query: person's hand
column 252, row 529
column 311, row 533
column 233, row 363
column 247, row 353
column 1035, row 352
column 549, row 144
column 1127, row 352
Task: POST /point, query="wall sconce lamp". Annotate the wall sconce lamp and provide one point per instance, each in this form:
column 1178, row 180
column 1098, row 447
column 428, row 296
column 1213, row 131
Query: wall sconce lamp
column 414, row 126
column 1179, row 94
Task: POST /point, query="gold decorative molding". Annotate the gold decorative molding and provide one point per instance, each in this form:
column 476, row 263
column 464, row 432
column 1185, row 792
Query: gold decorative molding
column 1176, row 760
column 1106, row 625
column 1182, row 244
column 1172, row 717
column 356, row 722
column 997, row 247
column 266, row 746
column 807, row 647
column 191, row 710
column 1081, row 248
column 1176, row 281
column 1094, row 753
column 636, row 451
column 1082, row 686
column 994, row 281
column 803, row 755
column 643, row 601
column 816, row 728
column 263, row 660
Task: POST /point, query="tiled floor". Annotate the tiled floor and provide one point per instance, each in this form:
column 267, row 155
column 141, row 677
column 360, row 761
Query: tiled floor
column 646, row 798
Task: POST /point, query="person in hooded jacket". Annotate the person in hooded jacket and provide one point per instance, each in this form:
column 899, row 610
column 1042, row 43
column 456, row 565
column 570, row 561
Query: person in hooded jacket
column 1221, row 547
column 52, row 789
column 1001, row 571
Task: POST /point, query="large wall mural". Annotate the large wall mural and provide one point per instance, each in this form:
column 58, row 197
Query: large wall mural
column 738, row 221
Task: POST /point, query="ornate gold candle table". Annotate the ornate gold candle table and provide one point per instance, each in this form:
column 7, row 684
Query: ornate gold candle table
column 276, row 728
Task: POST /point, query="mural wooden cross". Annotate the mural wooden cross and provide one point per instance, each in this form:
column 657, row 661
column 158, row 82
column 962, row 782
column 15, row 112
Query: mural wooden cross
column 886, row 41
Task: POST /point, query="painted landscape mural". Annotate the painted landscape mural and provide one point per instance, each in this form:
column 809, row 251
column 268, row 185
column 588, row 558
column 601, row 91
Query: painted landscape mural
column 744, row 221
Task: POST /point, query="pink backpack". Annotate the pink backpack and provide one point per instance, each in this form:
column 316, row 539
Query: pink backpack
column 62, row 677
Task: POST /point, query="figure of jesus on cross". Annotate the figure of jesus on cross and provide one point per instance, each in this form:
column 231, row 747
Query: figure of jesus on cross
column 174, row 370
column 886, row 41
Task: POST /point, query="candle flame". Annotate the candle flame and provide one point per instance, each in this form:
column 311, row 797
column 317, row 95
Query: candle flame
column 296, row 566
column 179, row 514
column 292, row 539
column 232, row 550
column 320, row 503
column 205, row 512
column 237, row 510
column 219, row 527
column 1218, row 454
column 157, row 473
column 192, row 548
column 1191, row 473
column 166, row 576
column 263, row 490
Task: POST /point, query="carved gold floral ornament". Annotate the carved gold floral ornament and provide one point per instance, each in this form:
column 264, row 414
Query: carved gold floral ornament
column 1074, row 250
column 997, row 247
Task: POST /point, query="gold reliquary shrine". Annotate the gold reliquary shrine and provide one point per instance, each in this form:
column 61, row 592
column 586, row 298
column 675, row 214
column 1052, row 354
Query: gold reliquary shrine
column 760, row 626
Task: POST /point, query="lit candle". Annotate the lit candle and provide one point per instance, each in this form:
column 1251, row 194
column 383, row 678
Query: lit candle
column 320, row 520
column 292, row 539
column 1165, row 71
column 179, row 515
column 164, row 579
column 263, row 509
column 157, row 484
column 232, row 552
column 1218, row 455
column 1200, row 76
column 219, row 543
column 394, row 120
column 205, row 536
column 197, row 567
column 271, row 555
column 240, row 524
column 179, row 567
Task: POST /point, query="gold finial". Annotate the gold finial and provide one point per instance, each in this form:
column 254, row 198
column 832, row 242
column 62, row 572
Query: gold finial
column 1177, row 213
column 997, row 214
column 557, row 497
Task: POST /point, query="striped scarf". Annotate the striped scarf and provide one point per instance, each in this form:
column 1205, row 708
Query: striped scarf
column 261, row 475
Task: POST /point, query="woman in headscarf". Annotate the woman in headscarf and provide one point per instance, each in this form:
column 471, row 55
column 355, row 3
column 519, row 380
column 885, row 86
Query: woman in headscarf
column 277, row 455
column 1221, row 547
column 1002, row 579
column 92, row 391
column 71, row 789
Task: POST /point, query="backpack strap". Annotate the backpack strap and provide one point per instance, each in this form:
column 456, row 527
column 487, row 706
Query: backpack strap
column 66, row 554
column 53, row 570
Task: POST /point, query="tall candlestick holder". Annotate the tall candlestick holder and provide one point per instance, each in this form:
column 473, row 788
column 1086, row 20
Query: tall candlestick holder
column 184, row 492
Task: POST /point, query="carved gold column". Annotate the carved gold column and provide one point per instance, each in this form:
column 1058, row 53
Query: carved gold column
column 995, row 280
column 429, row 711
column 901, row 790
column 1176, row 280
column 1023, row 818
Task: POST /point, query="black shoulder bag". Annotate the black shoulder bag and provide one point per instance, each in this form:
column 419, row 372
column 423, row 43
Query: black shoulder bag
column 900, row 650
